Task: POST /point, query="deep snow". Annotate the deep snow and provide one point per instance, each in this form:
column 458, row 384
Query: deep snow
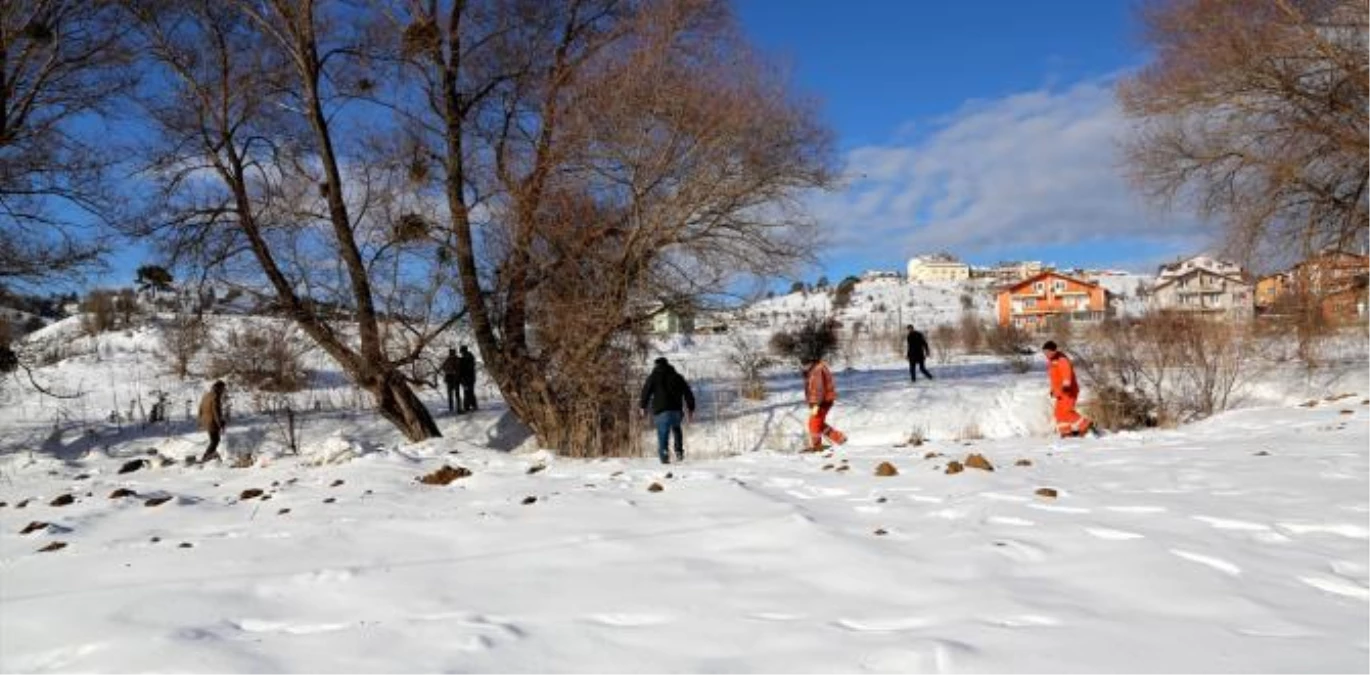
column 1236, row 544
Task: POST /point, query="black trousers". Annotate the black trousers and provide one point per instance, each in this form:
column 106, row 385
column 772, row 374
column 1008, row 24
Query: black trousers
column 453, row 395
column 468, row 394
column 212, row 452
column 915, row 366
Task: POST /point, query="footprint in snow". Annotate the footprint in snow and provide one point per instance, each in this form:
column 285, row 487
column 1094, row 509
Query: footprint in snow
column 884, row 625
column 1020, row 551
column 1209, row 561
column 1347, row 530
column 1022, row 621
column 1336, row 586
column 1112, row 535
column 1137, row 509
column 1057, row 509
column 629, row 620
column 1230, row 524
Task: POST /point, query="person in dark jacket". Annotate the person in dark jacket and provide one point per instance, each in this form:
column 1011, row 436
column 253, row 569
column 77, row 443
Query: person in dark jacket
column 211, row 418
column 451, row 376
column 468, row 379
column 671, row 400
column 918, row 353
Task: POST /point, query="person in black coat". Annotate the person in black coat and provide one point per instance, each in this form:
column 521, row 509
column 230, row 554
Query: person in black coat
column 451, row 376
column 918, row 354
column 671, row 400
column 466, row 373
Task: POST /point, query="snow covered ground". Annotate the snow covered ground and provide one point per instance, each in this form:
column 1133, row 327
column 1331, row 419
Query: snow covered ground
column 1236, row 544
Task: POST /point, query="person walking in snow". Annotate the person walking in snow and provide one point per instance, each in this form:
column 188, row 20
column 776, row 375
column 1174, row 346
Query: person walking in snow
column 1065, row 390
column 211, row 418
column 820, row 392
column 451, row 376
column 468, row 379
column 671, row 401
column 918, row 353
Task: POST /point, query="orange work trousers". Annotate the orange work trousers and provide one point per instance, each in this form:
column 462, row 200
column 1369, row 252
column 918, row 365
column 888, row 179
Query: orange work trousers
column 1069, row 421
column 818, row 428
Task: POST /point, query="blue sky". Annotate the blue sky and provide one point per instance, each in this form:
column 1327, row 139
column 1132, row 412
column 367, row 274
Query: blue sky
column 984, row 127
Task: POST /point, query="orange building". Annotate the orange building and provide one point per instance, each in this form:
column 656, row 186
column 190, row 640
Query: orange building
column 1034, row 301
column 1338, row 280
column 1270, row 289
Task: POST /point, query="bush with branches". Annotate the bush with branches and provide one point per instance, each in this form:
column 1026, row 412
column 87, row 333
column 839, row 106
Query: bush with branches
column 267, row 356
column 815, row 338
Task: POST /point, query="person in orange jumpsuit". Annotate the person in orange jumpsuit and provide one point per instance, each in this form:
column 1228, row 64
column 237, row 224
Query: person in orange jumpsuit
column 820, row 393
column 1065, row 389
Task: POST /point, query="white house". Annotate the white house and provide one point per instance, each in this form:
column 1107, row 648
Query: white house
column 937, row 268
column 1204, row 285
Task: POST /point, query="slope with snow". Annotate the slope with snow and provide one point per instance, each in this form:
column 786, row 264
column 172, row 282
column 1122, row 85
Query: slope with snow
column 1236, row 544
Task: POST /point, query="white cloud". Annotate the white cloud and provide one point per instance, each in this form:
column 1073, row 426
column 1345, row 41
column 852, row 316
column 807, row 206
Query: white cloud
column 1034, row 169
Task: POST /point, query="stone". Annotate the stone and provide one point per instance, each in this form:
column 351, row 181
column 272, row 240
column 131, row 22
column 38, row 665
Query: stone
column 155, row 539
column 1023, row 462
column 133, row 465
column 655, row 487
column 1263, row 453
column 536, row 468
column 880, row 532
column 121, row 493
column 22, row 504
column 529, row 500
column 250, row 493
column 828, row 467
column 157, row 501
column 445, row 475
column 282, row 512
column 54, row 546
column 62, row 500
column 330, row 500
column 81, row 476
column 1348, row 412
column 844, row 467
column 885, row 469
column 930, row 455
column 1049, row 493
column 185, row 544
column 882, row 500
column 336, row 483
column 34, row 527
column 978, row 461
column 954, row 467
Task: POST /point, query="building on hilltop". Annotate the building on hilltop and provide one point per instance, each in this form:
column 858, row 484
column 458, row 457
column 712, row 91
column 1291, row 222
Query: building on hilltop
column 1203, row 285
column 1034, row 302
column 937, row 267
column 1008, row 272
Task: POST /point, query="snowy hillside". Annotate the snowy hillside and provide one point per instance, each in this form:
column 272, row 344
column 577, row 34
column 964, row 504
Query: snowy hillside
column 1239, row 543
column 886, row 304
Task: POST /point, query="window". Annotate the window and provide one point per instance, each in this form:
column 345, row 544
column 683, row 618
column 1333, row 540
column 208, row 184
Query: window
column 1029, row 302
column 1059, row 286
column 1040, row 287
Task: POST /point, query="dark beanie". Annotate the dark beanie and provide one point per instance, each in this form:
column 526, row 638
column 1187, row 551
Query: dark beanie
column 1049, row 345
column 661, row 361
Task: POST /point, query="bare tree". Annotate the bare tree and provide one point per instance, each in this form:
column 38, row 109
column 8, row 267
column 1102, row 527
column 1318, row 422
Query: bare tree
column 63, row 63
column 267, row 169
column 1256, row 112
column 602, row 160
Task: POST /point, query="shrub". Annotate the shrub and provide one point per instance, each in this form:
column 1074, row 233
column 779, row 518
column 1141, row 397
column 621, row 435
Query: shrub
column 265, row 356
column 751, row 364
column 842, row 297
column 944, row 336
column 1114, row 407
column 182, row 339
column 972, row 334
column 815, row 338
